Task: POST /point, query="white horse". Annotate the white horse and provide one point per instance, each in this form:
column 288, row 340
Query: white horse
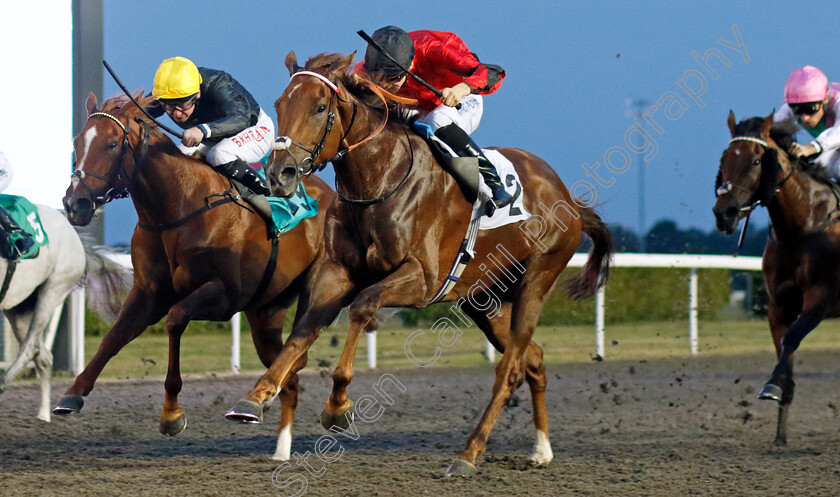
column 38, row 287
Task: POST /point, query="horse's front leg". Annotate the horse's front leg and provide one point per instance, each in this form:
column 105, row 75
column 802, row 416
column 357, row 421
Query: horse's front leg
column 140, row 310
column 405, row 287
column 332, row 290
column 35, row 321
column 780, row 386
column 208, row 302
column 781, row 318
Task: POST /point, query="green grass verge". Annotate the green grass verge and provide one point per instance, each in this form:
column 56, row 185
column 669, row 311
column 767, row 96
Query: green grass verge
column 209, row 352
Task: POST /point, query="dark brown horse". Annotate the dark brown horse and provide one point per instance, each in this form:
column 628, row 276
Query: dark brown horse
column 199, row 252
column 802, row 258
column 394, row 232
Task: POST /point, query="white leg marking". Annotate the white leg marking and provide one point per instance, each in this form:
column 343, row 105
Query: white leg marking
column 284, row 444
column 542, row 453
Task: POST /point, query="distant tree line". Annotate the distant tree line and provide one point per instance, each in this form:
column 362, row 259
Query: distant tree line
column 665, row 237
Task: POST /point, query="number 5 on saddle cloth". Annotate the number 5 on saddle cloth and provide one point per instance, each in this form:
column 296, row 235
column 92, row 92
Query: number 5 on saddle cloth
column 25, row 214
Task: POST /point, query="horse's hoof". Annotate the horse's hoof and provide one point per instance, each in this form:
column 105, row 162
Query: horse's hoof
column 69, row 404
column 338, row 421
column 173, row 427
column 246, row 411
column 780, row 442
column 460, row 467
column 771, row 392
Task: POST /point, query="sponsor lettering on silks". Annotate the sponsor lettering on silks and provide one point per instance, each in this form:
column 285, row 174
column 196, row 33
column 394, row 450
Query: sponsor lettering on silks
column 251, row 135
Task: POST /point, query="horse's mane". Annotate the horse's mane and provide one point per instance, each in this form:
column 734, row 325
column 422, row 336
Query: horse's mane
column 122, row 106
column 325, row 63
column 784, row 134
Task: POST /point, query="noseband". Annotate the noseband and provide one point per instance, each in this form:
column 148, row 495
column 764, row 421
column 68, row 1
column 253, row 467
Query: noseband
column 309, row 164
column 113, row 193
column 285, row 142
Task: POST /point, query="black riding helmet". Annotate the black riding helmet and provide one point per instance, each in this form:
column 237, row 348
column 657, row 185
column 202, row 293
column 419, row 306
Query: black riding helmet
column 397, row 43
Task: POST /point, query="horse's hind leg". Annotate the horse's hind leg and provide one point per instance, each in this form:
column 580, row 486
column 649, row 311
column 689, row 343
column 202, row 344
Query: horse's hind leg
column 531, row 294
column 532, row 368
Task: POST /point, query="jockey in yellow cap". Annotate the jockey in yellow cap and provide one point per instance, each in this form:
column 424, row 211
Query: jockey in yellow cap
column 221, row 119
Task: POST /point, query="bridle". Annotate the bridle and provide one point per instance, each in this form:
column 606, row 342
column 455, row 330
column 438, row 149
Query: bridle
column 310, row 164
column 727, row 187
column 119, row 172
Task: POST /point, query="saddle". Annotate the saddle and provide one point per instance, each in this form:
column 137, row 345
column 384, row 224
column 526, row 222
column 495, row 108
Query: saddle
column 280, row 214
column 463, row 169
column 25, row 214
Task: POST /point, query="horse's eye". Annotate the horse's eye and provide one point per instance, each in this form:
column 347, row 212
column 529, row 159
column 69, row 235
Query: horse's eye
column 112, row 144
column 321, row 108
column 756, row 162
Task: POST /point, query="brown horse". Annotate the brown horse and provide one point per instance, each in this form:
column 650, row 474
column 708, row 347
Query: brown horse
column 801, row 262
column 394, row 232
column 199, row 252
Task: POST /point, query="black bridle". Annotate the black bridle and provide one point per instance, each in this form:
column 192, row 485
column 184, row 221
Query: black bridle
column 310, row 164
column 768, row 188
column 119, row 173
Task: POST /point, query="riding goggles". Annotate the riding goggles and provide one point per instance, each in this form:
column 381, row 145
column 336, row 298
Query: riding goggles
column 806, row 108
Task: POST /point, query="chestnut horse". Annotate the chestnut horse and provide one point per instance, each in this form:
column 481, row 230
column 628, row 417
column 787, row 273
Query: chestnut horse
column 199, row 252
column 393, row 233
column 801, row 261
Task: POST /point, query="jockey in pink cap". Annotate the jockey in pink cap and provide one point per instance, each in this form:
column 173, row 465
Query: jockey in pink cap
column 814, row 104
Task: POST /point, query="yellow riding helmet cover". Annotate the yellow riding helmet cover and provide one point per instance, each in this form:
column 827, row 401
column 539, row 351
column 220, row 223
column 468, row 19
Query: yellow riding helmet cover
column 176, row 78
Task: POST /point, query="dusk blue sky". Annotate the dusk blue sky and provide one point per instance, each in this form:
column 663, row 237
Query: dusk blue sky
column 571, row 69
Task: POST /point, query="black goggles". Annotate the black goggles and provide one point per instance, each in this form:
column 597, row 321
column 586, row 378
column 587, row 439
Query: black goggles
column 807, row 108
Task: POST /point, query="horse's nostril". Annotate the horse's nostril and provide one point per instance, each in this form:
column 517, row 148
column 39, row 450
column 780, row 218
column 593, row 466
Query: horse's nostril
column 287, row 174
column 731, row 212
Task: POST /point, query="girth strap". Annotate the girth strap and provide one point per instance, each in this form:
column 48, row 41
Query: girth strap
column 157, row 228
column 269, row 270
column 7, row 280
column 465, row 255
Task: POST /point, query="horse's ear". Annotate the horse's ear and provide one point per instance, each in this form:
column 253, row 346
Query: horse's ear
column 291, row 63
column 90, row 103
column 766, row 125
column 342, row 65
column 731, row 122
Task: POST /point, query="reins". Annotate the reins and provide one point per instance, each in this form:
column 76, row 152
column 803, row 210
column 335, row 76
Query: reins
column 283, row 143
column 728, row 186
column 112, row 193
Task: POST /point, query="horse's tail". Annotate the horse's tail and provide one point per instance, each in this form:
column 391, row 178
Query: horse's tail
column 106, row 282
column 597, row 270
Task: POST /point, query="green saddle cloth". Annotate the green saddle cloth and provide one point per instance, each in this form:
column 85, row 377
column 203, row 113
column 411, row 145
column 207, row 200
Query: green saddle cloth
column 26, row 216
column 286, row 213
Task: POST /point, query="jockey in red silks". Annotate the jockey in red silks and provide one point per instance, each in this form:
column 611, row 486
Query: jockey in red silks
column 814, row 104
column 444, row 61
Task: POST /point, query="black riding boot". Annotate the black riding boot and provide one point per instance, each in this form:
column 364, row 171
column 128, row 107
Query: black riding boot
column 243, row 172
column 461, row 143
column 24, row 244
